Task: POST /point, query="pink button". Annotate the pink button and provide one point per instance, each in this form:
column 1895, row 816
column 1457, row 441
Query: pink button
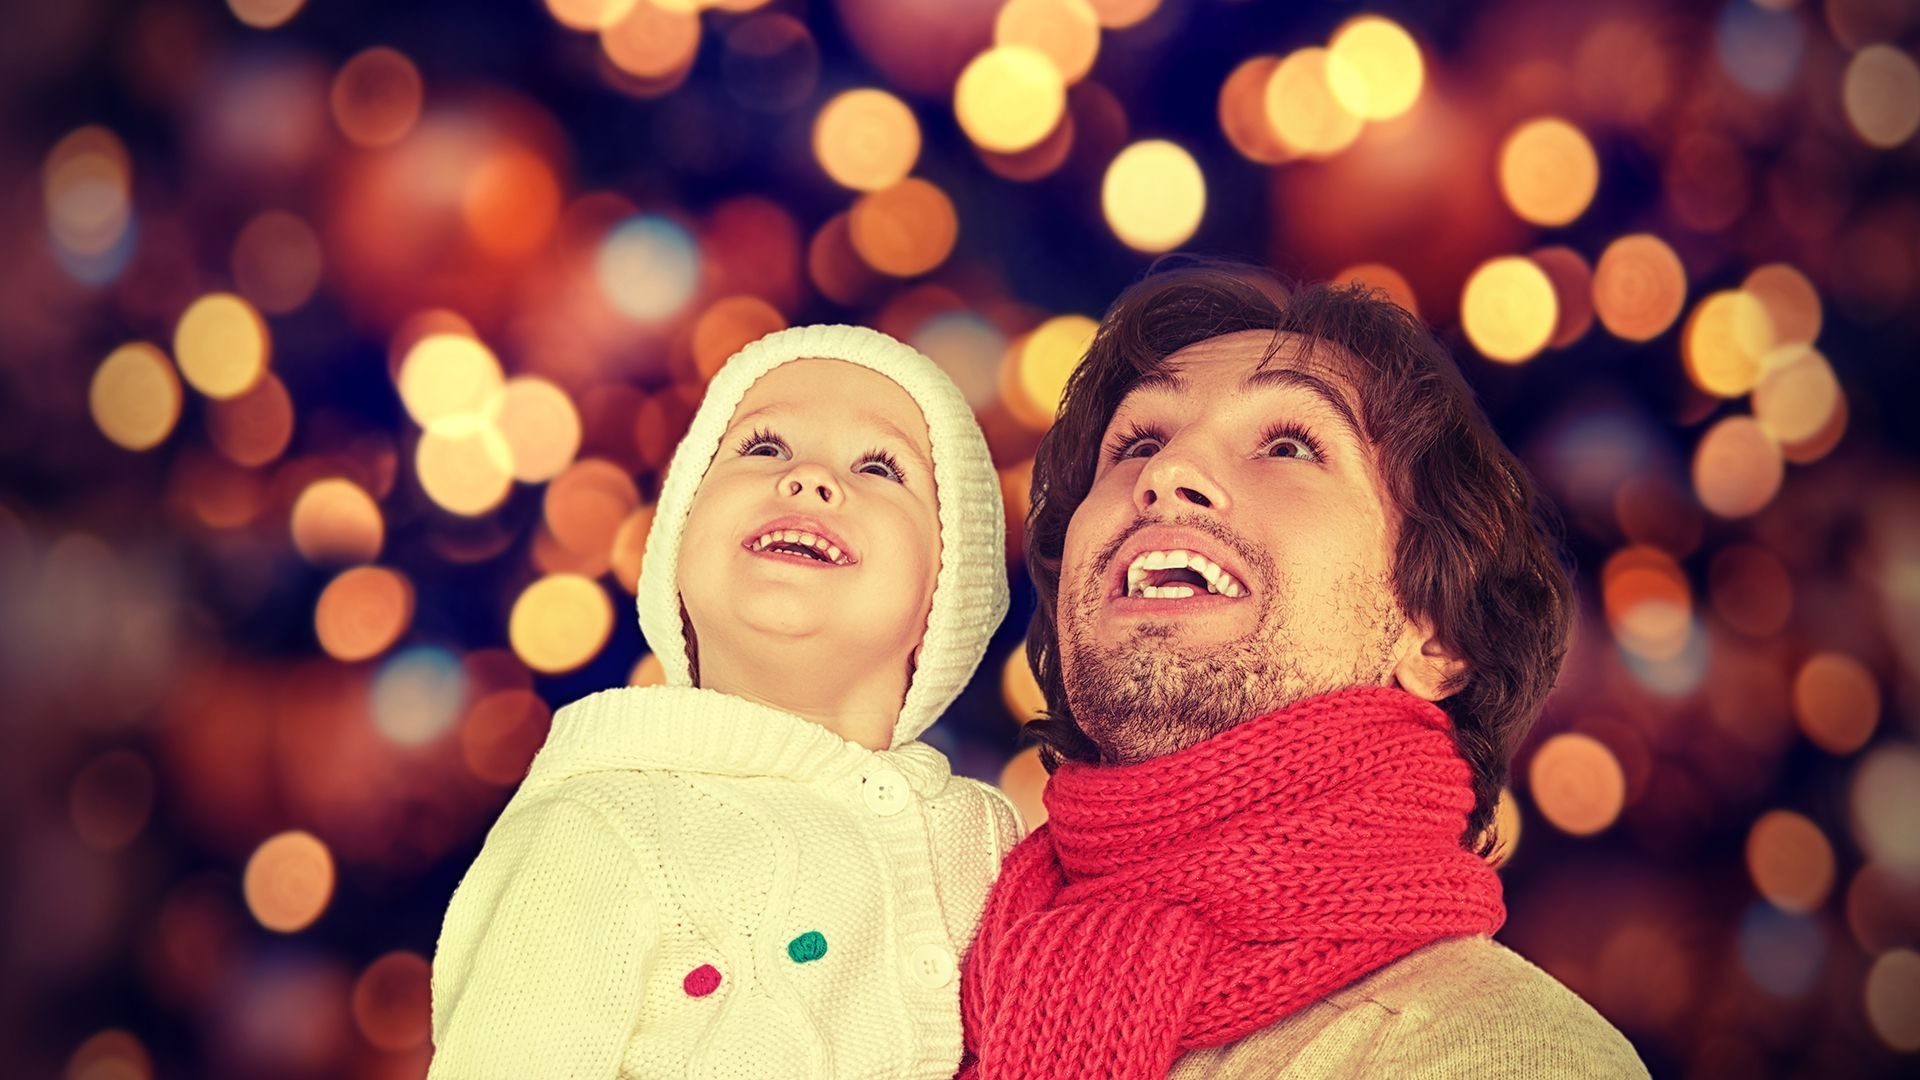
column 701, row 981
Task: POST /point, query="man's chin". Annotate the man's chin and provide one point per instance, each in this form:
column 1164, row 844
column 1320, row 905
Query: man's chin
column 1159, row 703
column 1150, row 666
column 1182, row 634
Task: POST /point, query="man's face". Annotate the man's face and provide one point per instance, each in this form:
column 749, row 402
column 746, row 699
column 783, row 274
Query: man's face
column 1262, row 473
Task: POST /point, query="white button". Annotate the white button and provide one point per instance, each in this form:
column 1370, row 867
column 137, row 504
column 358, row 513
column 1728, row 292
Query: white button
column 884, row 791
column 931, row 966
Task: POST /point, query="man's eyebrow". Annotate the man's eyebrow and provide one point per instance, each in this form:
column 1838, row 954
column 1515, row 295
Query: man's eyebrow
column 1159, row 382
column 1313, row 384
column 1167, row 382
column 1152, row 383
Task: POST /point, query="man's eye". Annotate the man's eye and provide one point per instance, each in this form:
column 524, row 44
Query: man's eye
column 1136, row 441
column 1290, row 441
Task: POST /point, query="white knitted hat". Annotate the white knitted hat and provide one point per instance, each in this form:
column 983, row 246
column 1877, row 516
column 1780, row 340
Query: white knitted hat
column 970, row 594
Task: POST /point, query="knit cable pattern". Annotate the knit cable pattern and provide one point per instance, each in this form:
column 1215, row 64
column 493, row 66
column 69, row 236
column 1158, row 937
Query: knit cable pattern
column 1196, row 898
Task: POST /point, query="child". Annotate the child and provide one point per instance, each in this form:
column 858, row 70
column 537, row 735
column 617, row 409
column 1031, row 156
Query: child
column 758, row 869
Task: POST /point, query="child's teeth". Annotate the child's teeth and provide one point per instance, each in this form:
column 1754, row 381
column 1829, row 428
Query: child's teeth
column 833, row 553
column 808, row 538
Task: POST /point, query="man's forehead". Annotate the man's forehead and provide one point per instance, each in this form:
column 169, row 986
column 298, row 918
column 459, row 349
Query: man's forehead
column 1248, row 360
column 1243, row 352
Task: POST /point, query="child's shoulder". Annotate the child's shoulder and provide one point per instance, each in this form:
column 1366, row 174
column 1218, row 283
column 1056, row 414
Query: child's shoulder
column 987, row 807
column 980, row 793
column 619, row 797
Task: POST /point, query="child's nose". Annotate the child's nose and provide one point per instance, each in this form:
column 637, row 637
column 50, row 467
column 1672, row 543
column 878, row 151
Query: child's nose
column 805, row 479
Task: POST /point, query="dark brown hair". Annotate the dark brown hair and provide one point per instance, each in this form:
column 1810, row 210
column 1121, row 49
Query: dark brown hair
column 1477, row 553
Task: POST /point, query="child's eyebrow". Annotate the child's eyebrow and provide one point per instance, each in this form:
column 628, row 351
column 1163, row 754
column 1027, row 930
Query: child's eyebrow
column 889, row 427
column 763, row 410
column 879, row 422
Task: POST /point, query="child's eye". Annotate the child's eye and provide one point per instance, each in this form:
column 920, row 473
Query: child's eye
column 1136, row 441
column 882, row 464
column 1290, row 441
column 764, row 443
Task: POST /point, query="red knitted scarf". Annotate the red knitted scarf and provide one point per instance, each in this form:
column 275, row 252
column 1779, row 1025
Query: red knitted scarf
column 1196, row 898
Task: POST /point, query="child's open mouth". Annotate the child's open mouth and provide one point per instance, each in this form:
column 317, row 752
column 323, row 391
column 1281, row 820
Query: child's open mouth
column 800, row 545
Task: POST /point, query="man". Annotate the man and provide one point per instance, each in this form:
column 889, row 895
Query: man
column 1296, row 609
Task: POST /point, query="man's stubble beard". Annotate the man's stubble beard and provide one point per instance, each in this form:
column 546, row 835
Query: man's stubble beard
column 1148, row 696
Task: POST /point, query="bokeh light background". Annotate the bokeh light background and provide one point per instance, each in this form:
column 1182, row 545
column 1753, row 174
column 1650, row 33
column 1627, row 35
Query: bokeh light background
column 342, row 344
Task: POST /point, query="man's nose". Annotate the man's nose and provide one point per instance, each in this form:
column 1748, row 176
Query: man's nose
column 807, row 481
column 1177, row 476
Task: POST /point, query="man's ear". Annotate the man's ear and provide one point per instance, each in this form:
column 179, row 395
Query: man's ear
column 1427, row 668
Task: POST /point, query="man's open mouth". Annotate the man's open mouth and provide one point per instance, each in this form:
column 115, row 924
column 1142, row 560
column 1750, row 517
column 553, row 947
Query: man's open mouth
column 1176, row 574
column 799, row 544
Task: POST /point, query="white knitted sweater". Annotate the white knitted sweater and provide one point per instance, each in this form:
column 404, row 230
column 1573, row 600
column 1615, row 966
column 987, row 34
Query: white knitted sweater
column 1462, row 1008
column 667, row 835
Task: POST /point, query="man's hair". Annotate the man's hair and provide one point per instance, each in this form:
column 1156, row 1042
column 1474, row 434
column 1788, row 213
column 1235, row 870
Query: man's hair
column 1476, row 552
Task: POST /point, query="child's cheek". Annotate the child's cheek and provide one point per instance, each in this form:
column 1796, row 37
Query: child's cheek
column 697, row 547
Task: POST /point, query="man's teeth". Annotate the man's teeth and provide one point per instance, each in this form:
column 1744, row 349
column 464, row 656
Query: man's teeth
column 1218, row 580
column 805, row 539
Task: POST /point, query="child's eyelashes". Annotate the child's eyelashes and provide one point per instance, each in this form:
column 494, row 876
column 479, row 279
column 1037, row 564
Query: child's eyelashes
column 880, row 459
column 764, row 443
column 875, row 462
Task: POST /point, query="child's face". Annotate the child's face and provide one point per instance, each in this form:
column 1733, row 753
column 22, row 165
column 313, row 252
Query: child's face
column 839, row 452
